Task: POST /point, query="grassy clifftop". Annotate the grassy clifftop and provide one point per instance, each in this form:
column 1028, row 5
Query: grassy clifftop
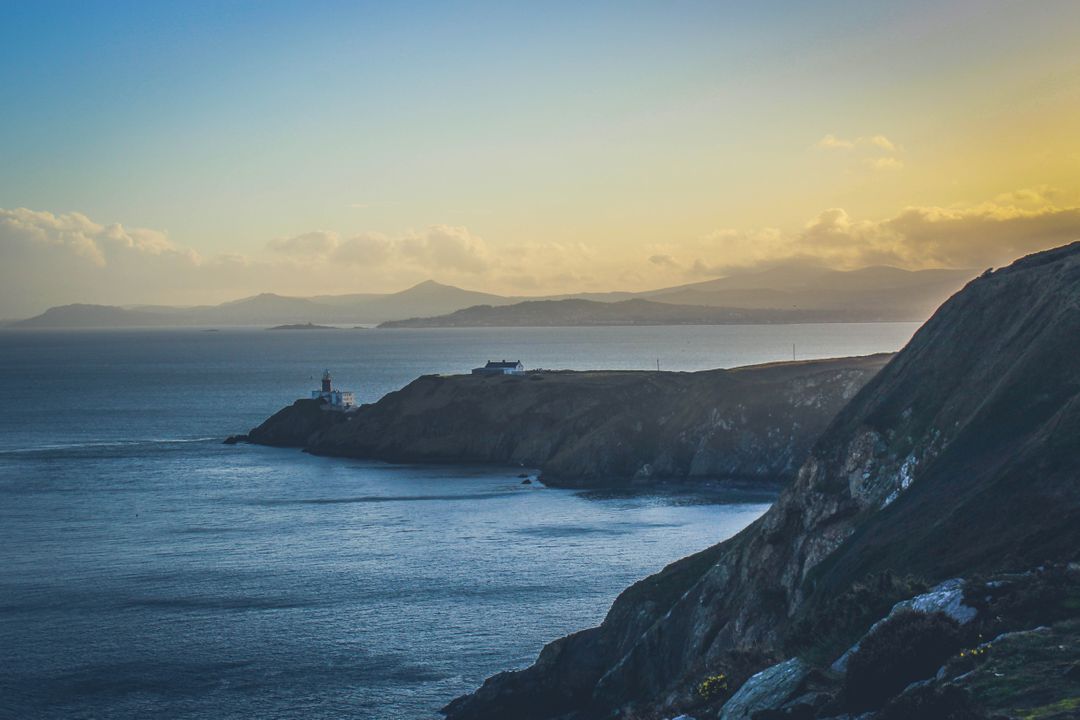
column 595, row 428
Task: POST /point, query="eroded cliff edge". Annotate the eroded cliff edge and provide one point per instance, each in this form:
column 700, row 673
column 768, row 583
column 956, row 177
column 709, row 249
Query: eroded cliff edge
column 582, row 429
column 961, row 457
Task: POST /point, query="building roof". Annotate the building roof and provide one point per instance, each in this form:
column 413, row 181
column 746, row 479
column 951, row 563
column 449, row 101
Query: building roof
column 502, row 363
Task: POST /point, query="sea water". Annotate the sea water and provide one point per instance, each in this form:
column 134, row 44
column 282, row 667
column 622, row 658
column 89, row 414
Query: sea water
column 147, row 570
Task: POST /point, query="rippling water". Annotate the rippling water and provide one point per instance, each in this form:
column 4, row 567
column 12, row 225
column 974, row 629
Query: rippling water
column 148, row 570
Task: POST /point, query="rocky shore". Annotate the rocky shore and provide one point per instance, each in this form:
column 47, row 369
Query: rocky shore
column 925, row 562
column 588, row 429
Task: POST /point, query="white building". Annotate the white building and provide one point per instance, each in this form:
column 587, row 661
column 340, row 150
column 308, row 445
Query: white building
column 502, row 367
column 337, row 399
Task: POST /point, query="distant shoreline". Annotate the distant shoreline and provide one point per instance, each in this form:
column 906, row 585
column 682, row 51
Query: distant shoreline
column 303, row 326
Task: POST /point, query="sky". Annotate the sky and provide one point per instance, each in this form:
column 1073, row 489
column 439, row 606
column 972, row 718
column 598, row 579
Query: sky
column 197, row 152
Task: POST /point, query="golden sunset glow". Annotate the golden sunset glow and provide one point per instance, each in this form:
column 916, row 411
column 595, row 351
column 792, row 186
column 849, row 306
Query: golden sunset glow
column 358, row 148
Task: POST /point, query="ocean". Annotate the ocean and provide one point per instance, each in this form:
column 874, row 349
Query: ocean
column 147, row 570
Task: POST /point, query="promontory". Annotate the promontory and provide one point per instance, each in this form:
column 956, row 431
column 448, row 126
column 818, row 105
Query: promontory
column 599, row 428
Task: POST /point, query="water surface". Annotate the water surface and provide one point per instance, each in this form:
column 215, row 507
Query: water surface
column 148, row 570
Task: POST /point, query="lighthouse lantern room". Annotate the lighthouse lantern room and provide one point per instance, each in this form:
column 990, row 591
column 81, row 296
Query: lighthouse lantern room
column 336, row 399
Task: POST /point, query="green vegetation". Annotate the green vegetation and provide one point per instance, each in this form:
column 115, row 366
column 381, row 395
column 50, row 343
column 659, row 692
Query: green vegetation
column 940, row 703
column 907, row 647
column 835, row 625
column 1053, row 710
column 713, row 687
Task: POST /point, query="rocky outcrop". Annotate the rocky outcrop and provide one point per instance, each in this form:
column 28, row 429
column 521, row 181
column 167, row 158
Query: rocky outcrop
column 959, row 457
column 295, row 425
column 595, row 428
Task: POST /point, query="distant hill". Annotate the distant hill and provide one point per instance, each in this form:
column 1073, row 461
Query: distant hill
column 90, row 316
column 785, row 294
column 304, row 326
column 427, row 298
column 570, row 313
column 879, row 291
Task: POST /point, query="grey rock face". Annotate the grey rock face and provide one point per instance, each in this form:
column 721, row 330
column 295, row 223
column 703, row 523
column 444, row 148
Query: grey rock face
column 974, row 423
column 768, row 689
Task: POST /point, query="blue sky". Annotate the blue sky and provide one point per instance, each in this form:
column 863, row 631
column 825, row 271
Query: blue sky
column 611, row 132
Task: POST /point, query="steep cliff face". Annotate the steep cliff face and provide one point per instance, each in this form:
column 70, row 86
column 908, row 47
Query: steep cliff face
column 595, row 428
column 962, row 455
column 295, row 425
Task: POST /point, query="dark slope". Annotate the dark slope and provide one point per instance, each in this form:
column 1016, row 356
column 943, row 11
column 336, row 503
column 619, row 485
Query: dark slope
column 589, row 429
column 962, row 455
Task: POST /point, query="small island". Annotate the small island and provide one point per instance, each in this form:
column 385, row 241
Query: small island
column 304, row 326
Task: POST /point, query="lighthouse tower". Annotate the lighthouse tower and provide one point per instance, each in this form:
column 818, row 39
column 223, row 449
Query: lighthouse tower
column 334, row 399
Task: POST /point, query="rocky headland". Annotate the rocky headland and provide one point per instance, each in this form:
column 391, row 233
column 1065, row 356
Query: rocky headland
column 923, row 563
column 586, row 429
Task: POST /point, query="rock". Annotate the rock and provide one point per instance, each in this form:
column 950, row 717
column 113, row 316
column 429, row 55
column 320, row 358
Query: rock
column 526, row 481
column 234, row 439
column 769, row 689
column 297, row 424
column 946, row 597
column 597, row 428
column 985, row 396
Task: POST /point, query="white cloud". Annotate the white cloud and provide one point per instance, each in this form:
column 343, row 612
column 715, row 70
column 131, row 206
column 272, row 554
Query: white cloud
column 446, row 246
column 51, row 259
column 319, row 244
column 986, row 234
column 884, row 163
column 22, row 229
column 831, row 142
column 439, row 247
column 875, row 152
column 877, row 142
column 881, row 142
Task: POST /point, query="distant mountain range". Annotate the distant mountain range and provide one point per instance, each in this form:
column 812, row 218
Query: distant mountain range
column 783, row 294
column 579, row 313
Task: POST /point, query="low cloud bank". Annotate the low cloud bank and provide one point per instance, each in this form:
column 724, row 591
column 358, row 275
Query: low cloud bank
column 52, row 259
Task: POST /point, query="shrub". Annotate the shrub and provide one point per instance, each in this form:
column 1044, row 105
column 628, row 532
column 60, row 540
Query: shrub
column 713, row 686
column 948, row 702
column 907, row 647
column 834, row 624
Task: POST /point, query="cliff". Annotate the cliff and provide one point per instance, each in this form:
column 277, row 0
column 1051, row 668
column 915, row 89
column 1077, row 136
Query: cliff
column 959, row 458
column 594, row 428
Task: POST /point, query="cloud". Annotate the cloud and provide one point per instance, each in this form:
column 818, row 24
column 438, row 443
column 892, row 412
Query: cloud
column 831, row 142
column 884, row 163
column 69, row 257
column 987, row 234
column 875, row 152
column 323, row 246
column 369, row 249
column 318, row 243
column 447, row 246
column 665, row 261
column 51, row 259
column 878, row 142
column 439, row 247
column 75, row 234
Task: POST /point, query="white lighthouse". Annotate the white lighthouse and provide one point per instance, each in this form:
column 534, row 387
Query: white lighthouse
column 336, row 399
